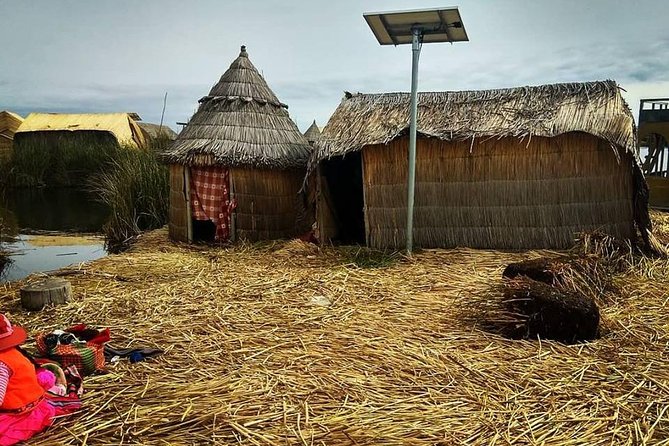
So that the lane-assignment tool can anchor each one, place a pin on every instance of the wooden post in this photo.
(189, 210)
(46, 292)
(661, 166)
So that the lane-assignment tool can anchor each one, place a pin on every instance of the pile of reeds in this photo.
(277, 344)
(661, 226)
(135, 187)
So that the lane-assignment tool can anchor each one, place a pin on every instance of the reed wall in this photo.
(659, 192)
(268, 205)
(178, 214)
(498, 193)
(5, 148)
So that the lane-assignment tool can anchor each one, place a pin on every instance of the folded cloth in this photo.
(146, 352)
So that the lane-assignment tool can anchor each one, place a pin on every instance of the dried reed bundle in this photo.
(267, 348)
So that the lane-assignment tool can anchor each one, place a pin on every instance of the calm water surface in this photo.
(26, 211)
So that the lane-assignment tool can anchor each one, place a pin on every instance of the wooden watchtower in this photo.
(653, 135)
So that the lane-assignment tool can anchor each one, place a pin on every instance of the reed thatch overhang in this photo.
(241, 123)
(596, 108)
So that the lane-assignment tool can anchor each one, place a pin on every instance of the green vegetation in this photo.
(59, 159)
(131, 182)
(135, 187)
(363, 257)
(4, 258)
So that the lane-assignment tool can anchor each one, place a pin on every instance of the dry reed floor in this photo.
(254, 356)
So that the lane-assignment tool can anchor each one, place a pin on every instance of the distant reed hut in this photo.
(237, 167)
(156, 132)
(515, 168)
(53, 129)
(64, 149)
(9, 123)
(313, 133)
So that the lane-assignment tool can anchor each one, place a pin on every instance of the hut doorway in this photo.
(211, 205)
(343, 179)
(204, 231)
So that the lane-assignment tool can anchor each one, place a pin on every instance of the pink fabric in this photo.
(15, 428)
(210, 198)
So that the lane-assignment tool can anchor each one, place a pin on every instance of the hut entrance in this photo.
(211, 204)
(343, 178)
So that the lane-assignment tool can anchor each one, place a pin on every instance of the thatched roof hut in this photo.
(153, 132)
(120, 128)
(522, 167)
(63, 149)
(313, 133)
(242, 139)
(9, 123)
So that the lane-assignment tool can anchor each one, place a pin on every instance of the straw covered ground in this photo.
(286, 344)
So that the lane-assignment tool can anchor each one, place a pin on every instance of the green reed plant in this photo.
(135, 187)
(59, 159)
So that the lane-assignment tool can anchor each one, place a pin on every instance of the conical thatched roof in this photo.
(313, 133)
(546, 110)
(241, 122)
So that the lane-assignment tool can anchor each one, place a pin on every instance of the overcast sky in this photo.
(123, 55)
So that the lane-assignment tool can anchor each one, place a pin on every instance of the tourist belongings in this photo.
(77, 346)
(135, 354)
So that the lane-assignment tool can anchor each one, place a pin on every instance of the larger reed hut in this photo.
(515, 168)
(54, 129)
(9, 124)
(237, 167)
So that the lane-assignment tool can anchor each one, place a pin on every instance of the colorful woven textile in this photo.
(210, 198)
(87, 356)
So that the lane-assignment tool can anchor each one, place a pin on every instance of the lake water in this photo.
(36, 223)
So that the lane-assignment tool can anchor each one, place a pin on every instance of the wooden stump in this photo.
(46, 292)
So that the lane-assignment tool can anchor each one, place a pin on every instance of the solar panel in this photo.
(436, 25)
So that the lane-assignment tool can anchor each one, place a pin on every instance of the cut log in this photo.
(549, 312)
(47, 292)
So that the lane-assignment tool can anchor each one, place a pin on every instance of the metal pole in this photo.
(415, 48)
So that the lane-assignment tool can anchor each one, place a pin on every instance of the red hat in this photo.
(10, 336)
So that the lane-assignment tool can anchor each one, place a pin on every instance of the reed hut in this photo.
(237, 167)
(515, 168)
(313, 133)
(53, 129)
(9, 123)
(156, 132)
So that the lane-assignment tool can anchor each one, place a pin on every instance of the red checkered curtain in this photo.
(210, 197)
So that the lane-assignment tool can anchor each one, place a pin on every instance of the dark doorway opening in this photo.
(204, 231)
(344, 180)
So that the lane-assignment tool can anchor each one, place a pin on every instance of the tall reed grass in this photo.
(4, 257)
(135, 187)
(59, 159)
